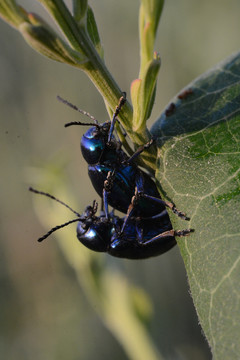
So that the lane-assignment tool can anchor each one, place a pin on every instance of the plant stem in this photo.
(95, 67)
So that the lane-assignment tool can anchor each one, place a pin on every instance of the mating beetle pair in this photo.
(115, 176)
(146, 229)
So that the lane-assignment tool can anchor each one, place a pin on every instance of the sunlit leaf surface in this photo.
(199, 170)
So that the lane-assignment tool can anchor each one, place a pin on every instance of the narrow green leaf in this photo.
(95, 67)
(153, 10)
(149, 84)
(12, 13)
(146, 40)
(135, 93)
(66, 22)
(149, 16)
(199, 170)
(146, 92)
(44, 40)
(79, 9)
(93, 32)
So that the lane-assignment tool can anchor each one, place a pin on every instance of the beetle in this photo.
(115, 176)
(137, 238)
(140, 238)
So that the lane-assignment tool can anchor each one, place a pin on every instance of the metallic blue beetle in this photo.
(140, 239)
(116, 177)
(135, 238)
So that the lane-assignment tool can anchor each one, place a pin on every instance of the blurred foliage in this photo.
(40, 296)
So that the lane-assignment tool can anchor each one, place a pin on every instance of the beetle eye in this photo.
(95, 133)
(84, 226)
(106, 126)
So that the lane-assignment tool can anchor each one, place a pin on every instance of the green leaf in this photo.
(143, 95)
(44, 40)
(93, 32)
(12, 13)
(135, 94)
(79, 9)
(153, 10)
(149, 16)
(199, 170)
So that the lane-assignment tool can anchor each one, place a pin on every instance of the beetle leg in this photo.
(168, 204)
(139, 231)
(140, 150)
(122, 101)
(108, 183)
(130, 212)
(179, 233)
(134, 200)
(158, 216)
(139, 192)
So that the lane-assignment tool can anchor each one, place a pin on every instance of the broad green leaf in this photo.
(199, 170)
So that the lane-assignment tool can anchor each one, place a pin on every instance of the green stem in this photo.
(97, 71)
(95, 67)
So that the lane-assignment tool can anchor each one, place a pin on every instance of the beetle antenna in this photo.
(54, 198)
(121, 102)
(55, 229)
(74, 107)
(80, 123)
(62, 203)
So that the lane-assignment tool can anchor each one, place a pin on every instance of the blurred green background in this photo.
(44, 312)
